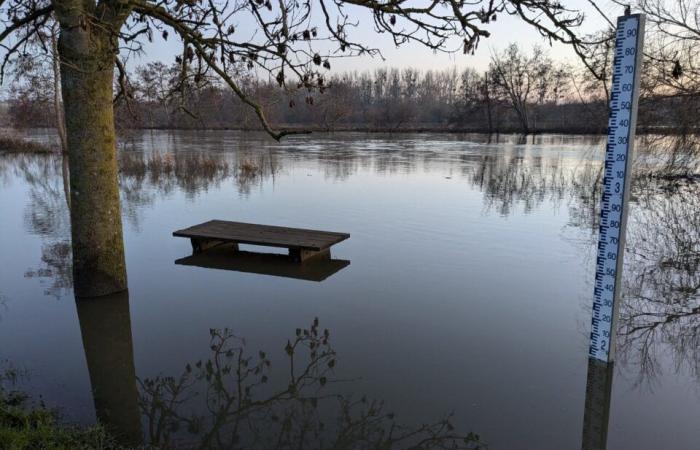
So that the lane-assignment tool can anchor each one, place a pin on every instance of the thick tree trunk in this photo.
(87, 70)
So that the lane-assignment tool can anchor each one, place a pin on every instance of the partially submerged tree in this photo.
(295, 41)
(523, 78)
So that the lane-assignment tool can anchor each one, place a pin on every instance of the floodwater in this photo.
(462, 296)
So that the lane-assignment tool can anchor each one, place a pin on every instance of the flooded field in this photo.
(458, 309)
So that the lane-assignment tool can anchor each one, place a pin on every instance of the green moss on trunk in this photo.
(87, 70)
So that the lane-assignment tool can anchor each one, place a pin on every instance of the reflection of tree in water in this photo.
(243, 410)
(661, 304)
(670, 156)
(660, 310)
(339, 164)
(143, 175)
(48, 213)
(660, 314)
(3, 303)
(585, 193)
(190, 172)
(56, 266)
(47, 216)
(253, 168)
(507, 181)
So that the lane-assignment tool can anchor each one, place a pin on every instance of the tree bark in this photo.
(87, 56)
(58, 109)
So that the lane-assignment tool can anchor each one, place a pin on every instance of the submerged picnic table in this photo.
(301, 243)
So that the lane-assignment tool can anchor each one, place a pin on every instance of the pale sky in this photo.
(504, 31)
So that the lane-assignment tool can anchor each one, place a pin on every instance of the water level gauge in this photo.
(624, 99)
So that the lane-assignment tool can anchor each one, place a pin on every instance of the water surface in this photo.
(467, 292)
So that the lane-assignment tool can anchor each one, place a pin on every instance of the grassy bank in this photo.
(24, 426)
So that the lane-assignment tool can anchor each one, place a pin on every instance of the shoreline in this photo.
(428, 129)
(387, 130)
(567, 131)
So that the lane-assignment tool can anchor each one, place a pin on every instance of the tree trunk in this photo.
(58, 109)
(87, 68)
(521, 110)
(487, 96)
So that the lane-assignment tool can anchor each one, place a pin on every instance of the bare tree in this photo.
(37, 83)
(671, 83)
(673, 44)
(524, 79)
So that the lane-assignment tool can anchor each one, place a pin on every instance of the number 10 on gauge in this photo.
(624, 99)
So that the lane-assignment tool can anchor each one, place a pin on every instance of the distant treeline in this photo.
(519, 92)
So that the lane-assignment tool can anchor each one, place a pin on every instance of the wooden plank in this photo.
(224, 257)
(273, 236)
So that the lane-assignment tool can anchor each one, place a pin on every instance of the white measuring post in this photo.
(624, 99)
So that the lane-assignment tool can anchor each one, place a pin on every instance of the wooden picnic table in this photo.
(301, 243)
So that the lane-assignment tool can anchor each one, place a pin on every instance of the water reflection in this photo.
(596, 415)
(659, 316)
(507, 170)
(148, 172)
(47, 216)
(224, 257)
(661, 306)
(660, 313)
(239, 399)
(242, 408)
(165, 172)
(3, 304)
(509, 180)
(105, 326)
(56, 269)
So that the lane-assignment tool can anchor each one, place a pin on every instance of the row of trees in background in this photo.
(521, 91)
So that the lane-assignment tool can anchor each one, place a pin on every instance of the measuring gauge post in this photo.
(624, 99)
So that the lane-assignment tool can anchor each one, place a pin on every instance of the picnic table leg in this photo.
(301, 255)
(199, 245)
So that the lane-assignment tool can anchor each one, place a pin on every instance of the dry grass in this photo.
(13, 144)
(165, 164)
(249, 169)
(190, 171)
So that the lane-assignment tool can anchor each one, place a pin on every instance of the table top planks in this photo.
(268, 235)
